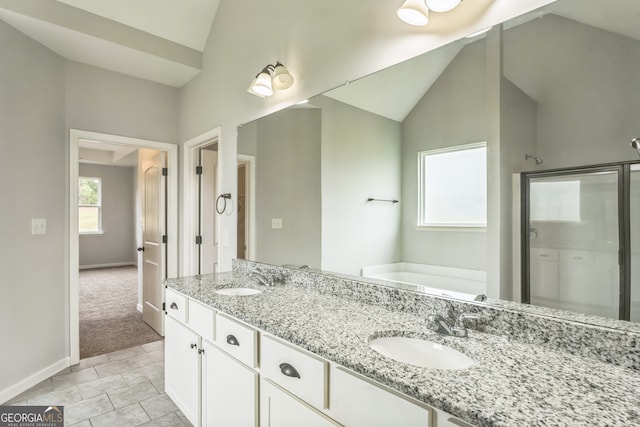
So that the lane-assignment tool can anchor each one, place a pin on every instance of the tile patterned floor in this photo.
(123, 388)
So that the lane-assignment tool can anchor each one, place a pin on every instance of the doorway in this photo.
(203, 204)
(164, 221)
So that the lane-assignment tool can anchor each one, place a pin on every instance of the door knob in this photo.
(141, 249)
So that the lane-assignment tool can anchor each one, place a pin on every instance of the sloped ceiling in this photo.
(158, 40)
(395, 91)
(163, 41)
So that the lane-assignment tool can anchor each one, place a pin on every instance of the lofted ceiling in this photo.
(157, 40)
(395, 91)
(163, 41)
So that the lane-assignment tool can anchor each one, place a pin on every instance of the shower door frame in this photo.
(624, 226)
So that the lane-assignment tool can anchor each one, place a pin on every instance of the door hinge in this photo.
(164, 306)
(198, 170)
(164, 238)
(165, 171)
(198, 240)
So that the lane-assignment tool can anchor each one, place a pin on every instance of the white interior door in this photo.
(208, 217)
(153, 229)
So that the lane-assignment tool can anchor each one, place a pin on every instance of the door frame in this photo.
(250, 221)
(75, 135)
(189, 223)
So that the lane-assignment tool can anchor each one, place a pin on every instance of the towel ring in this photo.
(224, 198)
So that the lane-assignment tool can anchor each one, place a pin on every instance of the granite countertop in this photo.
(512, 384)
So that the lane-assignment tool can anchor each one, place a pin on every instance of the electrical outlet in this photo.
(38, 226)
(276, 223)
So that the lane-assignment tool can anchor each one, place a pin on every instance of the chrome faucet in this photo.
(267, 279)
(440, 325)
(262, 279)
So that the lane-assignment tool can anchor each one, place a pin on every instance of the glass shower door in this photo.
(573, 244)
(634, 189)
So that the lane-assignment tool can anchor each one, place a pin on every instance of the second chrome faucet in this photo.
(439, 324)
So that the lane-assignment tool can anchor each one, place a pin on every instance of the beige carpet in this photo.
(109, 320)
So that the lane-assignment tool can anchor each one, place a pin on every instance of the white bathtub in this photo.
(434, 279)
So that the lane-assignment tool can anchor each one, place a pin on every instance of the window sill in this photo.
(92, 233)
(454, 228)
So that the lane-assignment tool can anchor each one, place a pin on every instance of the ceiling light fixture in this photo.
(416, 12)
(271, 77)
(442, 5)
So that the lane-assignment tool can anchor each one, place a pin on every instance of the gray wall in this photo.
(33, 307)
(453, 112)
(352, 154)
(42, 97)
(518, 115)
(360, 159)
(117, 244)
(103, 101)
(288, 187)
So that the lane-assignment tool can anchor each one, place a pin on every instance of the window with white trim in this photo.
(90, 205)
(452, 186)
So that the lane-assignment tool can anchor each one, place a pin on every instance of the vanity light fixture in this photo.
(271, 77)
(416, 12)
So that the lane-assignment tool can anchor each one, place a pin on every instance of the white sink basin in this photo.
(238, 292)
(419, 352)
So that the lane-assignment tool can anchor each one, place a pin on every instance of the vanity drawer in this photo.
(239, 340)
(298, 371)
(176, 305)
(202, 320)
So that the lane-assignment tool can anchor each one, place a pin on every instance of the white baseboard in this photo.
(139, 307)
(113, 264)
(24, 385)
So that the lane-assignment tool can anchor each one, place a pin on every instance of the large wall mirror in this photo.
(568, 98)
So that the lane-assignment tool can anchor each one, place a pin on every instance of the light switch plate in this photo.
(38, 226)
(276, 223)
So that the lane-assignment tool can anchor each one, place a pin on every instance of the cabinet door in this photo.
(229, 390)
(357, 402)
(281, 409)
(182, 368)
(544, 274)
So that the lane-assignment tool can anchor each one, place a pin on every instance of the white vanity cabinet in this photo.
(229, 382)
(229, 390)
(278, 408)
(182, 368)
(222, 372)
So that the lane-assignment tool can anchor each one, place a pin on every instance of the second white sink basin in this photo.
(419, 352)
(238, 292)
